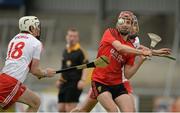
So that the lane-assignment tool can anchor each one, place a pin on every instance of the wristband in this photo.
(45, 74)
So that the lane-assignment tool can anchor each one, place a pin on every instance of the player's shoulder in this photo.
(106, 31)
(83, 50)
(84, 53)
(34, 40)
(110, 30)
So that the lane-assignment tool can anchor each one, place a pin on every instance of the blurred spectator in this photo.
(162, 104)
(71, 83)
(176, 105)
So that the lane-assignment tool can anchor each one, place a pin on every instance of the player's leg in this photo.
(72, 98)
(125, 103)
(88, 105)
(122, 99)
(70, 106)
(105, 99)
(129, 88)
(61, 107)
(31, 99)
(133, 100)
(104, 96)
(76, 109)
(61, 100)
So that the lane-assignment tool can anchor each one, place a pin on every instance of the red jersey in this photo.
(112, 74)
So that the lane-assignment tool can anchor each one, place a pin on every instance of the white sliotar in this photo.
(120, 21)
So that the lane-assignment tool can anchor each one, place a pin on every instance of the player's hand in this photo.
(50, 72)
(81, 84)
(162, 51)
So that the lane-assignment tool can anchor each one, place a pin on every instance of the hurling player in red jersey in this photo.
(91, 99)
(107, 83)
(114, 88)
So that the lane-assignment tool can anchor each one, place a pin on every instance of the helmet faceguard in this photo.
(123, 17)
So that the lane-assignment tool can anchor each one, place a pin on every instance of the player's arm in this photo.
(83, 59)
(82, 82)
(40, 73)
(164, 51)
(108, 37)
(35, 63)
(130, 70)
(61, 79)
(127, 49)
(84, 74)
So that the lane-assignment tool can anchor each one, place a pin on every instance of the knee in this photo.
(36, 102)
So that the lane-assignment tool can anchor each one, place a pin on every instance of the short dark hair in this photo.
(73, 29)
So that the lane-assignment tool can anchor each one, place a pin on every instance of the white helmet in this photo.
(26, 21)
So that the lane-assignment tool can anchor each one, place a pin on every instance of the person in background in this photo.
(71, 83)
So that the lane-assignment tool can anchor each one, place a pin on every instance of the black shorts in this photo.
(69, 94)
(115, 90)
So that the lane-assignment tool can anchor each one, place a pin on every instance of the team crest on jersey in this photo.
(68, 63)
